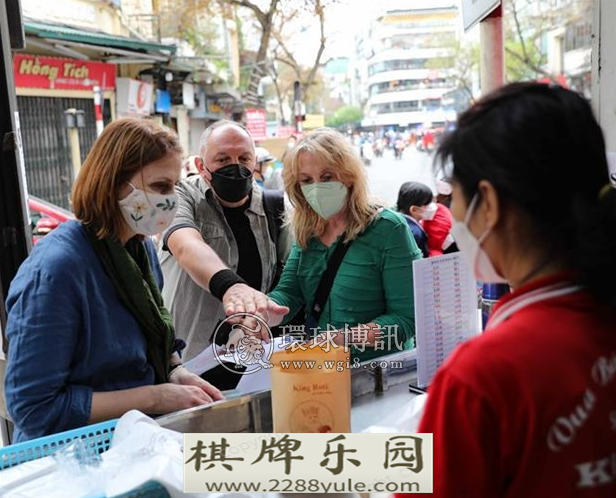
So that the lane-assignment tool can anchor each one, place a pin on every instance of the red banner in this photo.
(287, 131)
(32, 71)
(256, 123)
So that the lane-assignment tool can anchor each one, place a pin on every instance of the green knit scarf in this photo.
(130, 271)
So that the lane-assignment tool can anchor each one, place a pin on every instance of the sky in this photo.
(344, 19)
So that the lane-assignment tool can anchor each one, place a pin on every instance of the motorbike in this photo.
(367, 153)
(398, 149)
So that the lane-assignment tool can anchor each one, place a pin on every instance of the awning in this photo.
(66, 40)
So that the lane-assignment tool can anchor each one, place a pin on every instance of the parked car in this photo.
(45, 216)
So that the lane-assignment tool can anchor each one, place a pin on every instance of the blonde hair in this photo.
(123, 149)
(333, 149)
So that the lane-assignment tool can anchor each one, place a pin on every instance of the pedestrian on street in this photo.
(443, 192)
(263, 169)
(367, 250)
(221, 252)
(527, 408)
(437, 222)
(89, 336)
(415, 203)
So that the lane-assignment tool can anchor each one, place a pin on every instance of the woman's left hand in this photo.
(183, 377)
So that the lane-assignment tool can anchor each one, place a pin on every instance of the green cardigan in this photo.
(374, 283)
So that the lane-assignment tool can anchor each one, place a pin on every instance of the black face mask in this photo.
(232, 182)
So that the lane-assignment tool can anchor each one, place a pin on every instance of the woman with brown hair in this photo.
(371, 296)
(89, 337)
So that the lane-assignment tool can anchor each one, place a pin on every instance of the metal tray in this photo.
(253, 412)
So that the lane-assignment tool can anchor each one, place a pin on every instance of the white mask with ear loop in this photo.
(429, 212)
(470, 247)
(148, 213)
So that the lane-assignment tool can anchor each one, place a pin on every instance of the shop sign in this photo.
(313, 121)
(31, 71)
(134, 97)
(256, 123)
(163, 101)
(286, 131)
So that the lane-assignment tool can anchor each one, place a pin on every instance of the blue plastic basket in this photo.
(97, 435)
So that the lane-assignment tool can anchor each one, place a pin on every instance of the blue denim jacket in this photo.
(69, 336)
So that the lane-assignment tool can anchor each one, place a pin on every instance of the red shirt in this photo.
(528, 409)
(437, 229)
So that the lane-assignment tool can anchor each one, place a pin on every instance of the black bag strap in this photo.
(273, 205)
(327, 279)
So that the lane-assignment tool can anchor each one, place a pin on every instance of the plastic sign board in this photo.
(474, 11)
(314, 121)
(256, 123)
(32, 71)
(134, 97)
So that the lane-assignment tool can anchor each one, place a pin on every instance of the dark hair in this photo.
(543, 151)
(413, 194)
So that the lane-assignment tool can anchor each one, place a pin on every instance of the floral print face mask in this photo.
(147, 213)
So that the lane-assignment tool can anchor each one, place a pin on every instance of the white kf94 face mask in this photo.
(470, 247)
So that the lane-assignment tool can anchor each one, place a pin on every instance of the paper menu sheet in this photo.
(445, 310)
(258, 380)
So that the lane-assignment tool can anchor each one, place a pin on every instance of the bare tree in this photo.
(281, 53)
(265, 20)
(280, 92)
(466, 64)
(527, 21)
(524, 47)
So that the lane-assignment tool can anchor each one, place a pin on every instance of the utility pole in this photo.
(15, 233)
(603, 63)
(98, 110)
(492, 50)
(299, 108)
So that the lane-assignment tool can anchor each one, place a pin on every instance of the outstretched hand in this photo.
(241, 298)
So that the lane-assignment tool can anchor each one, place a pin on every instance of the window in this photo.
(403, 64)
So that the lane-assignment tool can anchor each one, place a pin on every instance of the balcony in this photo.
(425, 94)
(411, 118)
(395, 86)
(434, 63)
(407, 74)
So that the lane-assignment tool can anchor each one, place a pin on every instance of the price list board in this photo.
(445, 310)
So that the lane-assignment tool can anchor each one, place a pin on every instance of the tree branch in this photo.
(519, 30)
(290, 58)
(317, 61)
(259, 14)
(529, 63)
(274, 73)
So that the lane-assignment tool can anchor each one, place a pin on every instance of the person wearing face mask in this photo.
(437, 221)
(371, 296)
(89, 336)
(263, 171)
(443, 192)
(219, 255)
(415, 204)
(529, 405)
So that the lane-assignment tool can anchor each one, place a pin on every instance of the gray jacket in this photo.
(194, 310)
